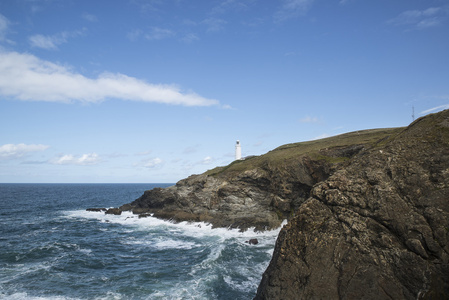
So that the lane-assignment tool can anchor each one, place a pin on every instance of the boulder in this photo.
(95, 209)
(252, 242)
(113, 211)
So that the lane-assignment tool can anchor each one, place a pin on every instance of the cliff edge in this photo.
(259, 192)
(376, 229)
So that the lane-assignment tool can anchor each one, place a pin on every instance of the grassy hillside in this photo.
(326, 148)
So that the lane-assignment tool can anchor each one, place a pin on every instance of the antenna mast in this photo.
(413, 113)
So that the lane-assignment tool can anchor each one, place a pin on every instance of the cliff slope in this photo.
(260, 191)
(377, 228)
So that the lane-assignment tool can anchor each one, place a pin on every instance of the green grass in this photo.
(290, 152)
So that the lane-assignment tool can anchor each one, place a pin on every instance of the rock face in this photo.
(261, 197)
(377, 228)
(259, 192)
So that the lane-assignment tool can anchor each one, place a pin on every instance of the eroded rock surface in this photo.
(377, 228)
(261, 197)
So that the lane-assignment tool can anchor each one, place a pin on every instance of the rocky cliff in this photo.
(368, 212)
(259, 192)
(376, 229)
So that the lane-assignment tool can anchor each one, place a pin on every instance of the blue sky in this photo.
(157, 90)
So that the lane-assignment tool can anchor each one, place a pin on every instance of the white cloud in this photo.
(45, 42)
(83, 160)
(309, 119)
(292, 8)
(420, 19)
(226, 106)
(152, 163)
(207, 160)
(51, 42)
(434, 109)
(26, 77)
(19, 150)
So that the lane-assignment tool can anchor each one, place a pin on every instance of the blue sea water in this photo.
(52, 248)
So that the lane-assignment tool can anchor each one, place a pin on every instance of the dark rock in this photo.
(138, 211)
(126, 207)
(261, 197)
(376, 229)
(96, 209)
(252, 242)
(113, 211)
(145, 215)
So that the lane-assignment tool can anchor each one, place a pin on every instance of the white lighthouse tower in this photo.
(238, 151)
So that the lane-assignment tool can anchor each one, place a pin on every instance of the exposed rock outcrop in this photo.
(261, 197)
(368, 212)
(376, 229)
(259, 192)
(97, 209)
(113, 211)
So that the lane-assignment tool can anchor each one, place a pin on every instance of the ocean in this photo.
(52, 248)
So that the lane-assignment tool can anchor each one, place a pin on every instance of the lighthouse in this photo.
(238, 151)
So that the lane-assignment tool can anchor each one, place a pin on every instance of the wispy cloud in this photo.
(435, 109)
(89, 17)
(207, 160)
(309, 119)
(82, 160)
(4, 29)
(344, 2)
(151, 163)
(134, 35)
(51, 42)
(9, 151)
(148, 5)
(143, 153)
(157, 33)
(420, 19)
(191, 149)
(4, 24)
(292, 8)
(214, 24)
(190, 38)
(231, 5)
(26, 77)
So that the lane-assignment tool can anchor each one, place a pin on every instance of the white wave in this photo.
(173, 244)
(194, 229)
(241, 286)
(85, 251)
(163, 244)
